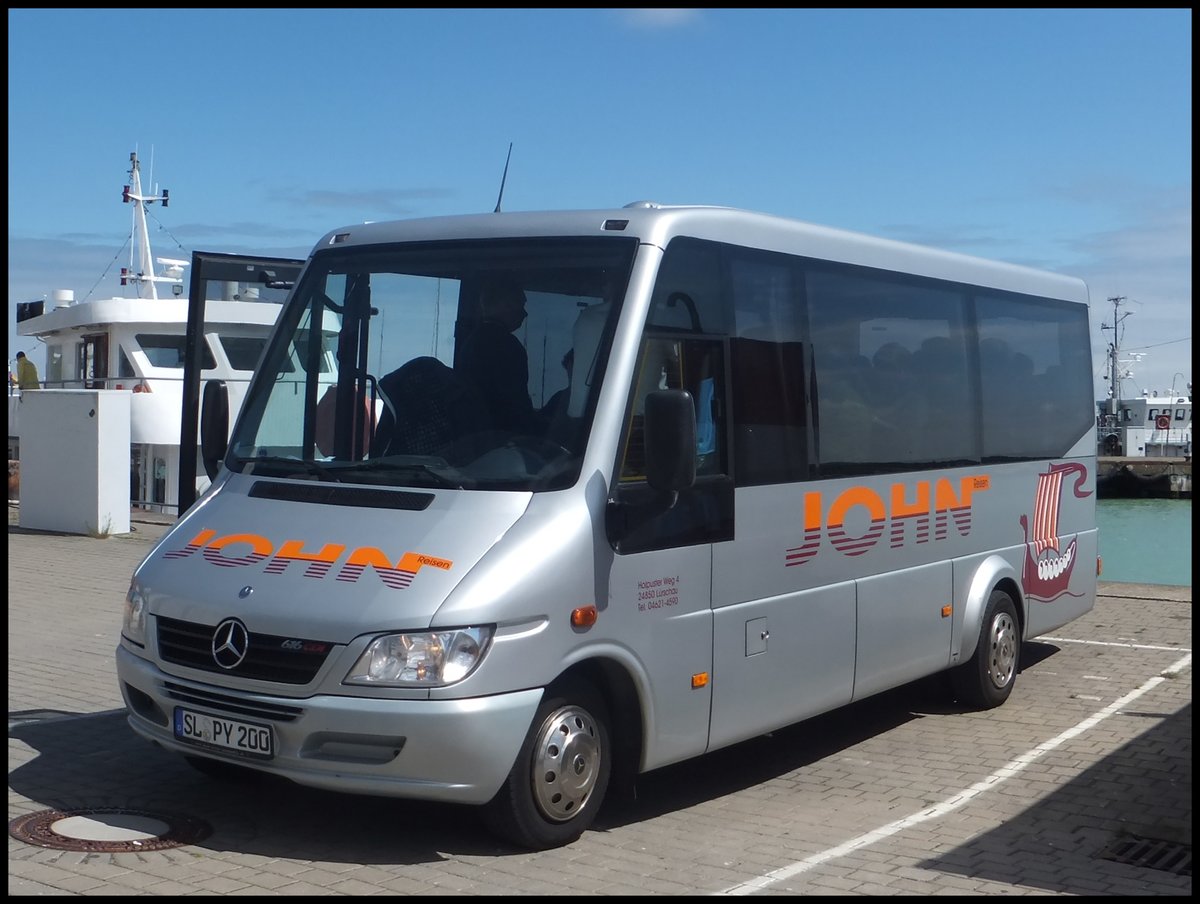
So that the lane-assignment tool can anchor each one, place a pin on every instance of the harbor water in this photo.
(1146, 541)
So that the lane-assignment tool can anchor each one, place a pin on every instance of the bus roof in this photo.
(656, 224)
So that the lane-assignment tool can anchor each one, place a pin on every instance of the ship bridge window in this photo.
(243, 352)
(55, 361)
(125, 366)
(1179, 414)
(168, 351)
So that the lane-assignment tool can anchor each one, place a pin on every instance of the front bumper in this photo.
(457, 751)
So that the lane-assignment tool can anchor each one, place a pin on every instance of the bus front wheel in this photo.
(987, 679)
(561, 773)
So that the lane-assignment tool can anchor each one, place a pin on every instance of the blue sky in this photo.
(1058, 139)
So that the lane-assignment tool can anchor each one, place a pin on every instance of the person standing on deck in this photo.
(27, 373)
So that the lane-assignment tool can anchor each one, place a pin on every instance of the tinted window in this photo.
(168, 351)
(840, 370)
(683, 348)
(688, 294)
(243, 352)
(767, 359)
(892, 373)
(1034, 376)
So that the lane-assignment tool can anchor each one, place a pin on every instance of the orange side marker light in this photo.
(584, 617)
(700, 679)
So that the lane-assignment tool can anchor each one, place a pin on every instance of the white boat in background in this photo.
(137, 344)
(1153, 425)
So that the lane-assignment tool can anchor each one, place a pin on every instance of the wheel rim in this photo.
(566, 763)
(1002, 664)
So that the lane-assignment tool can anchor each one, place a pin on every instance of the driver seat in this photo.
(427, 407)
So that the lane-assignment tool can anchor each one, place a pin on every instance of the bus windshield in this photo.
(465, 364)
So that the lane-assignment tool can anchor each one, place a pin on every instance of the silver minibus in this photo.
(520, 506)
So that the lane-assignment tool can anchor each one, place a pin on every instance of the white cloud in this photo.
(659, 18)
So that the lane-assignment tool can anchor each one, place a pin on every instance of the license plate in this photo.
(245, 738)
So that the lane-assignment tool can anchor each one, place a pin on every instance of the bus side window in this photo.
(703, 368)
(694, 365)
(658, 369)
(768, 360)
(703, 513)
(684, 347)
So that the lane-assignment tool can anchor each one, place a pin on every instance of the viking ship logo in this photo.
(1046, 573)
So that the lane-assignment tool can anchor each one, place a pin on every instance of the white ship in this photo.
(1153, 425)
(137, 343)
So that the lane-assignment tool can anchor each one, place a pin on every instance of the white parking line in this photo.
(1124, 645)
(992, 781)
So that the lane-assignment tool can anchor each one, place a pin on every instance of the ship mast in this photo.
(143, 272)
(1115, 374)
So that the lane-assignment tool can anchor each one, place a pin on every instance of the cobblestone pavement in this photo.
(898, 795)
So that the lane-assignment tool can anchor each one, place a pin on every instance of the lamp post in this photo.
(1178, 374)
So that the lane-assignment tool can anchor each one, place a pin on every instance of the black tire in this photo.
(558, 781)
(987, 679)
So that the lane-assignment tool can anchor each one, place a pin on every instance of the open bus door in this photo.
(209, 266)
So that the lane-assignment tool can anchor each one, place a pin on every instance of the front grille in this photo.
(235, 706)
(287, 660)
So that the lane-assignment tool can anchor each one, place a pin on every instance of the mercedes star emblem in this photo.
(230, 643)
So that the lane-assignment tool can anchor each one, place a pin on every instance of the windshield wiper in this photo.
(294, 465)
(443, 476)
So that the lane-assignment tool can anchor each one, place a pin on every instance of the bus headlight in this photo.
(426, 659)
(133, 623)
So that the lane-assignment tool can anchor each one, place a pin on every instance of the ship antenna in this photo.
(140, 237)
(503, 178)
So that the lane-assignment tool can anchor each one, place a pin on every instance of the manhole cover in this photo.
(1151, 853)
(107, 831)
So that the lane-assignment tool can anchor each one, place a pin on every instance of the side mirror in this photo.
(214, 426)
(670, 432)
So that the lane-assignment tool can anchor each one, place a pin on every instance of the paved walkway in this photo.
(898, 795)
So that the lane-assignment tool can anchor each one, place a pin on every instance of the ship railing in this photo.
(154, 508)
(118, 383)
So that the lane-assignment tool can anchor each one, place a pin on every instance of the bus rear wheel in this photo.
(987, 679)
(561, 773)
